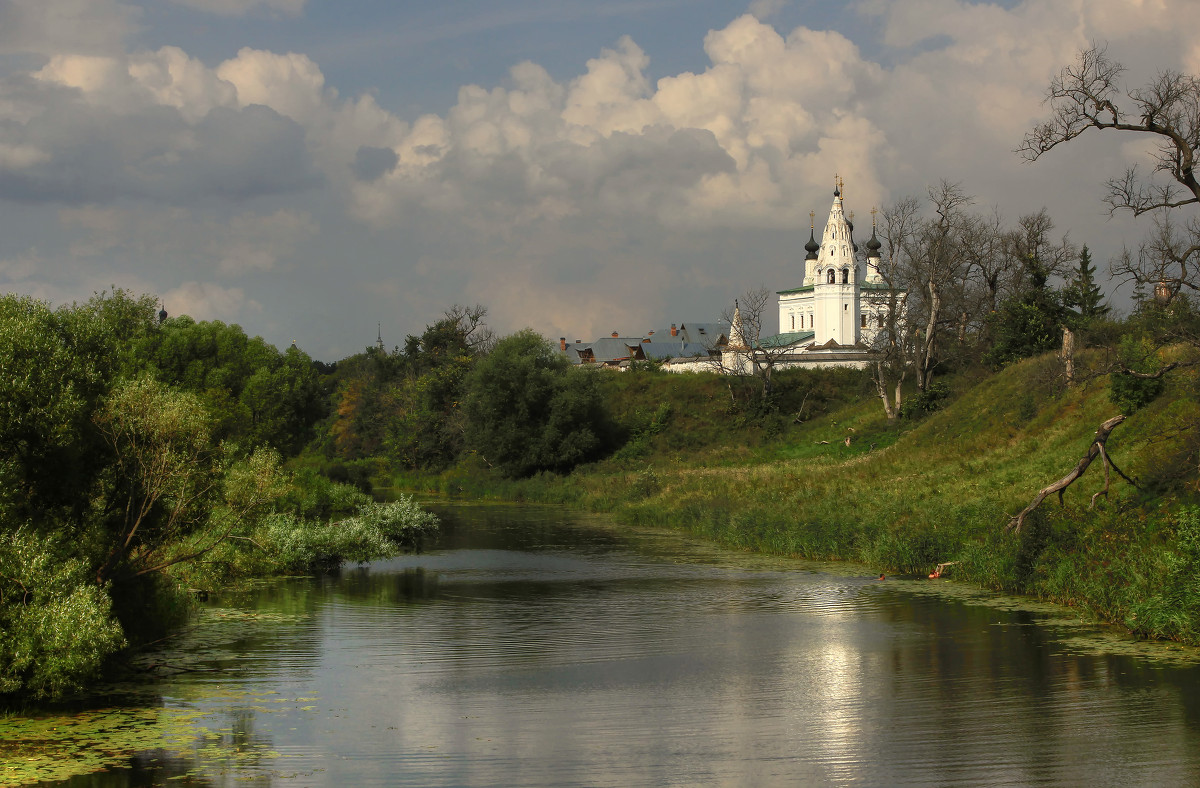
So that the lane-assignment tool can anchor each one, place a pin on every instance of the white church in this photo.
(833, 317)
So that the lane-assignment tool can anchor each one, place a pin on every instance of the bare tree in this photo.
(892, 341)
(746, 356)
(469, 320)
(938, 261)
(1087, 95)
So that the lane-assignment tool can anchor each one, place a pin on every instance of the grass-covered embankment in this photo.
(903, 498)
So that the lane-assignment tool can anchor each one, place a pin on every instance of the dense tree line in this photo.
(140, 456)
(455, 391)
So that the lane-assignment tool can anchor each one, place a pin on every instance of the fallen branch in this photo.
(1096, 449)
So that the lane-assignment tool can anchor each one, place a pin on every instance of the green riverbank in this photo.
(904, 497)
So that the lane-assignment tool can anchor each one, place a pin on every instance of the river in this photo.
(535, 647)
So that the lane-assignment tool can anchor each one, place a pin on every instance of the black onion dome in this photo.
(812, 247)
(873, 245)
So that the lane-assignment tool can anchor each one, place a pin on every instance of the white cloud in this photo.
(640, 194)
(208, 301)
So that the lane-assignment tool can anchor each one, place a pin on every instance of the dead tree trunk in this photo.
(1096, 449)
(1068, 355)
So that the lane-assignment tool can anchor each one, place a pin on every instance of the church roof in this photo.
(812, 247)
(786, 339)
(805, 289)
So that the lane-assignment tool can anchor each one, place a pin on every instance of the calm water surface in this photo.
(532, 647)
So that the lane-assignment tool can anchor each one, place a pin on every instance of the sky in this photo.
(318, 171)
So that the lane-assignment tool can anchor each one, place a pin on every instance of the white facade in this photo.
(835, 315)
(830, 301)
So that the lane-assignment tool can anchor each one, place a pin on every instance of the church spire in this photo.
(737, 339)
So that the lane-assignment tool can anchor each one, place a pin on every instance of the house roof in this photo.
(613, 348)
(673, 349)
(707, 334)
(786, 339)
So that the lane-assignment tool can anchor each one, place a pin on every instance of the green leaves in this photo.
(1130, 392)
(527, 411)
(56, 628)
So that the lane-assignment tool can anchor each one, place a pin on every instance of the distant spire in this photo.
(873, 245)
(837, 186)
(737, 340)
(162, 312)
(379, 336)
(812, 247)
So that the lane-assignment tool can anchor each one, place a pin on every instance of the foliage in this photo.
(115, 485)
(1024, 326)
(1083, 294)
(376, 530)
(162, 482)
(927, 401)
(1129, 392)
(56, 627)
(256, 394)
(527, 411)
(58, 365)
(844, 483)
(406, 406)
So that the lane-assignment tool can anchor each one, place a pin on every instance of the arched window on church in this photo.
(832, 276)
(793, 322)
(845, 276)
(862, 320)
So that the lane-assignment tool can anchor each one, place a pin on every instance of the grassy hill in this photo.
(907, 496)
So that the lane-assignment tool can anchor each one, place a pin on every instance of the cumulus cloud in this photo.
(648, 191)
(150, 127)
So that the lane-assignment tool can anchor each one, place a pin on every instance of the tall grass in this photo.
(905, 497)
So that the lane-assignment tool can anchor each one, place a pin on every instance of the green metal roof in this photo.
(786, 339)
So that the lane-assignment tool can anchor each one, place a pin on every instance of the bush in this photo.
(56, 624)
(1132, 393)
(927, 401)
(528, 411)
(377, 530)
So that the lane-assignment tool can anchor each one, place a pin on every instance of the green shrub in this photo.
(927, 401)
(377, 530)
(1132, 393)
(56, 624)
